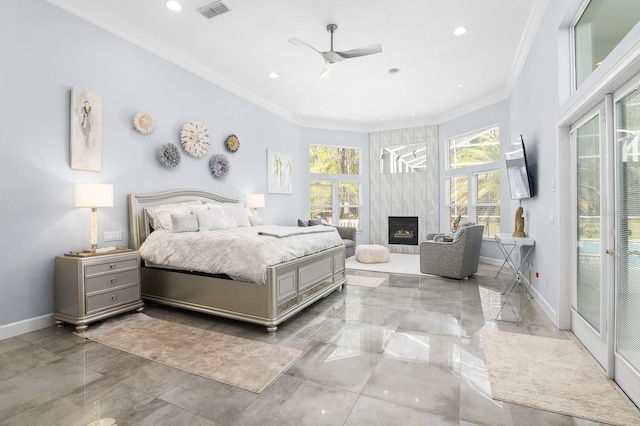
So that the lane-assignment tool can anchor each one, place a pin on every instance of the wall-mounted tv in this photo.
(518, 171)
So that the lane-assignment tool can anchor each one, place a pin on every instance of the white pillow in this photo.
(256, 221)
(155, 221)
(214, 220)
(238, 213)
(184, 223)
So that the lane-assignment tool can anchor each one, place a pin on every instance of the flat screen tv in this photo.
(518, 171)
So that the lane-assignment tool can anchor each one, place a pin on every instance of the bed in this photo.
(288, 287)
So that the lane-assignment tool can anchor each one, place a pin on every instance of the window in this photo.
(473, 181)
(599, 29)
(321, 200)
(335, 184)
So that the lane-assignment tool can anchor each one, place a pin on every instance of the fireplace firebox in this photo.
(403, 230)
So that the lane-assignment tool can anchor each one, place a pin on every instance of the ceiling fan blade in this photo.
(326, 71)
(362, 51)
(298, 42)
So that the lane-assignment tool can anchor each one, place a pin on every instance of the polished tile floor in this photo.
(408, 352)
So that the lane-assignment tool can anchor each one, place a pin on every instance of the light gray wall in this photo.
(46, 51)
(496, 114)
(535, 107)
(403, 194)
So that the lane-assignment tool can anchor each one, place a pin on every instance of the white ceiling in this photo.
(238, 49)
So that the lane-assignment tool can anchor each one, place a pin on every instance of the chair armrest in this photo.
(346, 232)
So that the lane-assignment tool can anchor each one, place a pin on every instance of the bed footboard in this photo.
(291, 286)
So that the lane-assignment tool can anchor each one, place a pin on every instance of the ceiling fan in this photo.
(332, 57)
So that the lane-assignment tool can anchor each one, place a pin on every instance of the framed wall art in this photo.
(85, 131)
(279, 172)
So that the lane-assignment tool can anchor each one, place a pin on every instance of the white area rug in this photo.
(552, 375)
(363, 281)
(399, 263)
(242, 363)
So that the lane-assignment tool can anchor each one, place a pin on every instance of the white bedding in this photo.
(239, 252)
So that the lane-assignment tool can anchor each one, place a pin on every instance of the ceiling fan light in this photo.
(459, 31)
(173, 5)
(273, 75)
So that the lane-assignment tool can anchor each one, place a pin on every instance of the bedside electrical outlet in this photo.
(113, 236)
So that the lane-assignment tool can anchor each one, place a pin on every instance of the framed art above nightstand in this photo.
(91, 288)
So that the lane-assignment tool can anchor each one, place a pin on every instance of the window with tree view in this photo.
(473, 179)
(335, 184)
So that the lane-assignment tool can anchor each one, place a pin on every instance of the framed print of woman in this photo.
(85, 145)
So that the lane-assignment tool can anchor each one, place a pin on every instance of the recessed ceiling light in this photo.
(173, 5)
(461, 85)
(273, 75)
(382, 98)
(381, 118)
(459, 31)
(413, 114)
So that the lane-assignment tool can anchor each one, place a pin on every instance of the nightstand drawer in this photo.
(110, 266)
(116, 279)
(110, 299)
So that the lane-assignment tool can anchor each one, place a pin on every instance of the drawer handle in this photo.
(114, 297)
(113, 280)
(112, 266)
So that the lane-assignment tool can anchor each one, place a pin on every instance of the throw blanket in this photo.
(287, 231)
(239, 252)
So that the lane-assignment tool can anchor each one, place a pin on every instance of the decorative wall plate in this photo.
(219, 166)
(233, 143)
(143, 122)
(169, 155)
(195, 138)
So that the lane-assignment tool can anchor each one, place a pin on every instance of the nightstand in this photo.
(91, 288)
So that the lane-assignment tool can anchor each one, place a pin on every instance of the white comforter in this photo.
(239, 252)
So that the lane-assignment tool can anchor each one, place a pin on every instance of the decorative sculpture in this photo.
(519, 229)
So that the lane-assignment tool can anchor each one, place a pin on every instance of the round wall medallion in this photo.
(233, 143)
(195, 138)
(219, 166)
(169, 155)
(143, 122)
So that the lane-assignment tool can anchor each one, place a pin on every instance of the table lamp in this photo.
(93, 195)
(254, 202)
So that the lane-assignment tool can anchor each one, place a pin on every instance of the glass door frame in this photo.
(598, 342)
(627, 376)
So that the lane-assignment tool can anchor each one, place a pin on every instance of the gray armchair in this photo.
(347, 233)
(456, 259)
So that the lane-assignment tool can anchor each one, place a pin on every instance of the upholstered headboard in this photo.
(139, 227)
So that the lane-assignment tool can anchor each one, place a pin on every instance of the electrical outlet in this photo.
(113, 236)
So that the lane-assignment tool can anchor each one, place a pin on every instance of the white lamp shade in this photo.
(93, 195)
(255, 201)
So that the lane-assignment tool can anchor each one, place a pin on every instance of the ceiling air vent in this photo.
(214, 9)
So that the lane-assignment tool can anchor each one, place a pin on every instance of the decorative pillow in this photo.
(256, 221)
(237, 211)
(459, 234)
(214, 220)
(303, 222)
(313, 222)
(184, 223)
(158, 222)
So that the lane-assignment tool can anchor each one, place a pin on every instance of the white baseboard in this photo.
(25, 326)
(546, 307)
(491, 261)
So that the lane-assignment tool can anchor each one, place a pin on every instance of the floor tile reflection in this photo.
(408, 352)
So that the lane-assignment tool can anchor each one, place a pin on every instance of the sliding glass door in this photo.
(591, 278)
(627, 258)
